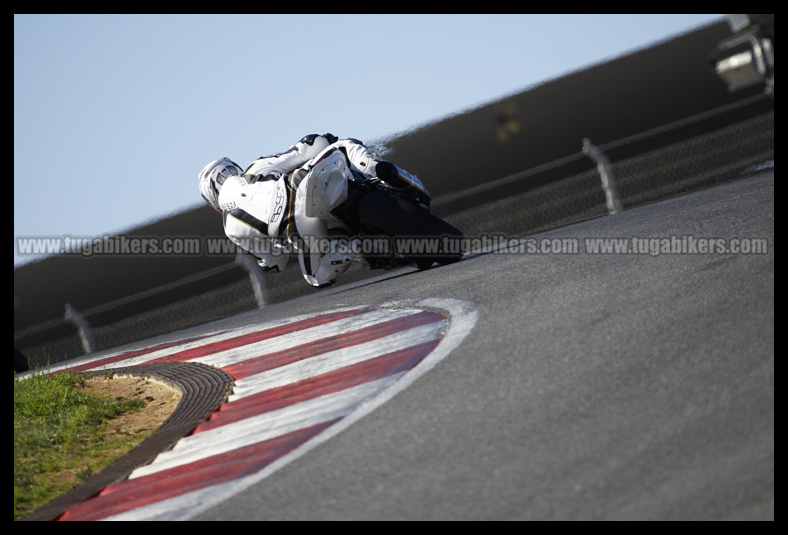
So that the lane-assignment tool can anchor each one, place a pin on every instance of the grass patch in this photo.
(62, 435)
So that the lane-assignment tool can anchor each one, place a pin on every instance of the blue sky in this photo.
(114, 115)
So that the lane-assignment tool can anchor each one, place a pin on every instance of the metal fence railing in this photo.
(642, 171)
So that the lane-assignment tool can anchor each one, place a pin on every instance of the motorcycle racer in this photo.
(262, 207)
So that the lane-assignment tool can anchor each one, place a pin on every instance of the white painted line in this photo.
(305, 336)
(263, 427)
(171, 508)
(334, 360)
(164, 352)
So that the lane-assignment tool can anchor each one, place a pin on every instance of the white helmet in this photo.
(213, 176)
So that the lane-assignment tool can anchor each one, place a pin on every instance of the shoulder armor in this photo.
(309, 140)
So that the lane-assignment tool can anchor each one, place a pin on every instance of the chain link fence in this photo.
(669, 161)
(645, 168)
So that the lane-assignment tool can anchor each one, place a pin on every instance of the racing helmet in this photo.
(213, 176)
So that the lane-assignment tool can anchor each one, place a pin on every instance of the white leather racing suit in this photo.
(259, 208)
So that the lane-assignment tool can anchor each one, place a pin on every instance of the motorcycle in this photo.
(387, 221)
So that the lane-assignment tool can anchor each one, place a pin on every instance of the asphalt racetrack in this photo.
(628, 386)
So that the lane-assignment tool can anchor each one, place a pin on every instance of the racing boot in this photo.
(323, 269)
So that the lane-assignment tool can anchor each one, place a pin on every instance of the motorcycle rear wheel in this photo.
(405, 220)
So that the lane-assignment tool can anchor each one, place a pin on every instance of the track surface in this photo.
(592, 387)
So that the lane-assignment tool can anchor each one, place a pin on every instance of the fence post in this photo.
(606, 174)
(255, 277)
(82, 325)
